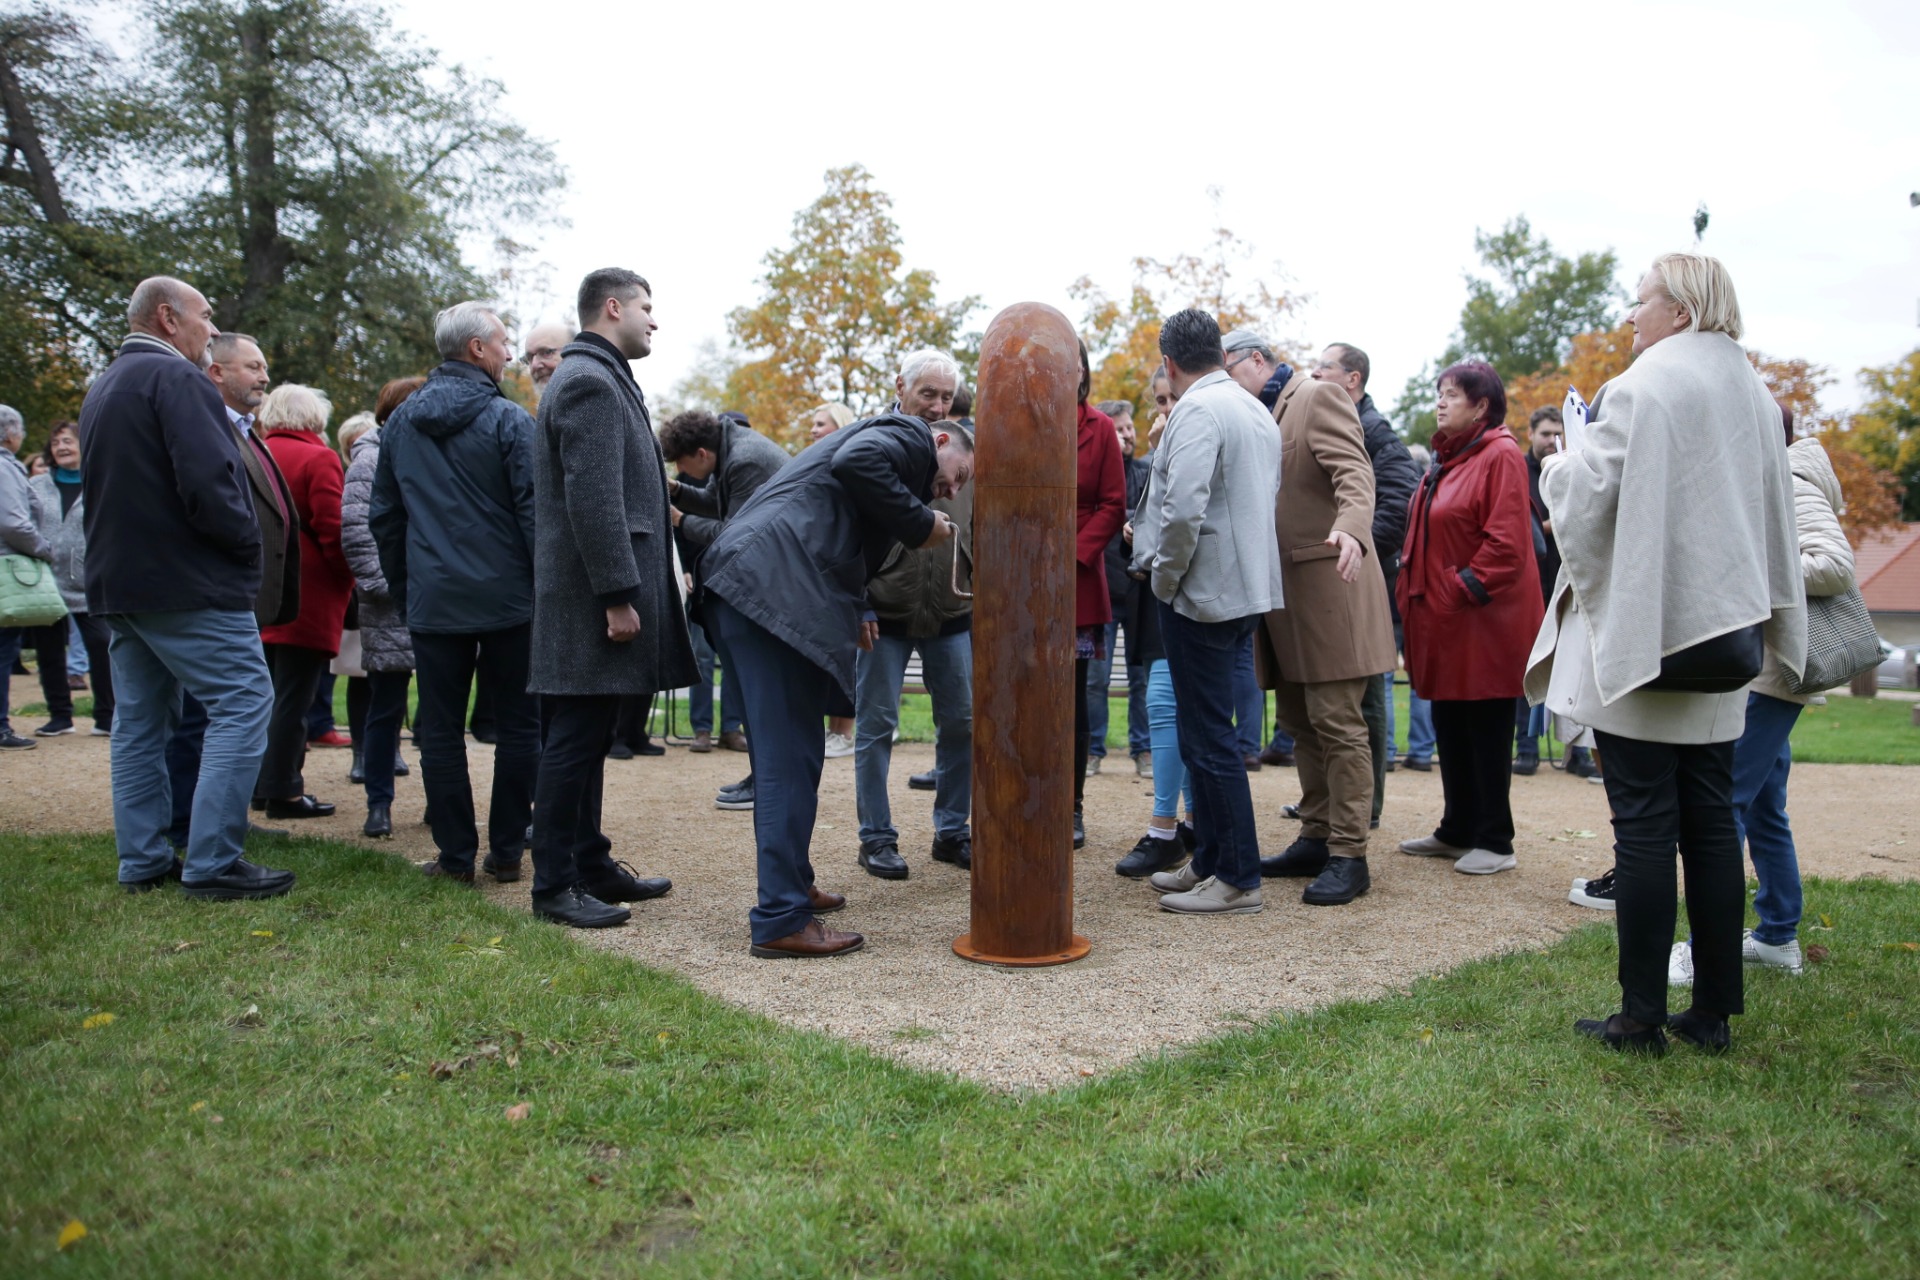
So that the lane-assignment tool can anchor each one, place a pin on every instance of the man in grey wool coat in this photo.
(607, 616)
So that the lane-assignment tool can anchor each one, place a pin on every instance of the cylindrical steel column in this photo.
(1025, 463)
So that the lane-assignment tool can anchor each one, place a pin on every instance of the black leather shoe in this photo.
(241, 880)
(438, 870)
(1344, 880)
(1418, 766)
(883, 860)
(401, 769)
(1610, 1033)
(1525, 768)
(575, 907)
(1304, 857)
(304, 807)
(1149, 856)
(503, 871)
(625, 885)
(357, 771)
(155, 882)
(379, 825)
(957, 850)
(928, 781)
(619, 751)
(649, 748)
(1079, 830)
(1701, 1030)
(1188, 836)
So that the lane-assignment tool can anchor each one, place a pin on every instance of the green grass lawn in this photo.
(320, 1086)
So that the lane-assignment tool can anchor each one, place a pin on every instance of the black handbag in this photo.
(1720, 665)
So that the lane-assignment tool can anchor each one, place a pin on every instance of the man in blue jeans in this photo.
(1206, 536)
(174, 564)
(914, 603)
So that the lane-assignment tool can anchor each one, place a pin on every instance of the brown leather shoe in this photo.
(823, 902)
(702, 742)
(810, 943)
(734, 741)
(1252, 763)
(1279, 759)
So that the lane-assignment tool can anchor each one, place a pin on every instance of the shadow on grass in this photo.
(322, 1085)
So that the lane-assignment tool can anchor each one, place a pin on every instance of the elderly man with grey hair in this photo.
(19, 536)
(452, 519)
(541, 350)
(173, 563)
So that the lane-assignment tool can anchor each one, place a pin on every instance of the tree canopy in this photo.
(315, 173)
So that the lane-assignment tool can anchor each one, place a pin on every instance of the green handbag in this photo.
(28, 596)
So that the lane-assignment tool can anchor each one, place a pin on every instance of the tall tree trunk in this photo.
(23, 135)
(263, 249)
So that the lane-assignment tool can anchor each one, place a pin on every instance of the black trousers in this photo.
(49, 644)
(1666, 797)
(296, 675)
(444, 668)
(630, 726)
(568, 845)
(1475, 742)
(1082, 731)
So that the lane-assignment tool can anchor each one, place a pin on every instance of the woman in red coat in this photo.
(1100, 510)
(294, 422)
(1469, 595)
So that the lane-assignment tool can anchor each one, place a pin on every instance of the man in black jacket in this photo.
(1394, 480)
(173, 563)
(452, 519)
(784, 587)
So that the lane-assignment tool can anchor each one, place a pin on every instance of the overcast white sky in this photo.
(1026, 144)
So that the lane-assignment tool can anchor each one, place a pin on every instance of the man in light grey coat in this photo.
(607, 617)
(1205, 540)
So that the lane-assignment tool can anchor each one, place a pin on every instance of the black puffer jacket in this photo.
(796, 559)
(452, 510)
(1394, 479)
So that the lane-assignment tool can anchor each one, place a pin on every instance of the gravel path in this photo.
(1153, 980)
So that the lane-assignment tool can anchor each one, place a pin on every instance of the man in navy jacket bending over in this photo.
(785, 586)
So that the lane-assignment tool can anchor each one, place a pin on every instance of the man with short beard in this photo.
(173, 562)
(542, 353)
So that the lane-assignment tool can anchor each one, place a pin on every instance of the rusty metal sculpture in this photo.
(1025, 463)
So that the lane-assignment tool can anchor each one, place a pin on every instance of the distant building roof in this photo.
(1888, 571)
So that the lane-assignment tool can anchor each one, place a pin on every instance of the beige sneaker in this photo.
(839, 746)
(1786, 956)
(1430, 847)
(1179, 880)
(1485, 862)
(1213, 897)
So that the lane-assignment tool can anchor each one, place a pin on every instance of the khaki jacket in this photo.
(1328, 629)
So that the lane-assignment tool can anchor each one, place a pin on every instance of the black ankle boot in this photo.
(1614, 1035)
(357, 774)
(1703, 1031)
(379, 821)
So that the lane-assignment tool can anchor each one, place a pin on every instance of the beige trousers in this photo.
(1335, 758)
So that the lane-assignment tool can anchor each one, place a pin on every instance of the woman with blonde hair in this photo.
(1674, 512)
(293, 421)
(827, 419)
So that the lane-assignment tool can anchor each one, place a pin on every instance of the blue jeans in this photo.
(946, 664)
(77, 661)
(1419, 727)
(215, 655)
(785, 696)
(1249, 702)
(700, 696)
(1528, 724)
(1202, 658)
(1169, 770)
(1762, 758)
(1099, 675)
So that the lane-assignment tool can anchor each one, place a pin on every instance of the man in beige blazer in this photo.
(1333, 635)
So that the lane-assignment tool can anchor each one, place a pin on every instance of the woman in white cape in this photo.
(1674, 513)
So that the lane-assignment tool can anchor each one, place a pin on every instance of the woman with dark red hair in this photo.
(1469, 595)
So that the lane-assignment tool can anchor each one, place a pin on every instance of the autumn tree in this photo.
(1886, 429)
(1593, 359)
(314, 172)
(1521, 317)
(1869, 492)
(836, 316)
(1123, 336)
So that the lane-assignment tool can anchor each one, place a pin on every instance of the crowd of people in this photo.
(221, 562)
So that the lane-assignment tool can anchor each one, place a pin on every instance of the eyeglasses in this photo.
(1242, 360)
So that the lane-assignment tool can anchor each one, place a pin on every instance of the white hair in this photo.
(1703, 286)
(351, 430)
(12, 425)
(461, 324)
(296, 408)
(928, 360)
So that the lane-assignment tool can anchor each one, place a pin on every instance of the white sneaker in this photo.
(839, 746)
(1785, 956)
(1179, 880)
(1485, 862)
(1430, 847)
(1213, 897)
(1680, 965)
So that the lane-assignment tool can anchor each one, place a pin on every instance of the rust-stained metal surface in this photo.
(1023, 504)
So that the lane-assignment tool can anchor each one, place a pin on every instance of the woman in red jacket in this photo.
(1100, 510)
(294, 422)
(1469, 595)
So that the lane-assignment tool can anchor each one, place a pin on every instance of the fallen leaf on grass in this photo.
(517, 1112)
(1817, 954)
(1425, 1037)
(216, 1118)
(72, 1234)
(198, 1106)
(1826, 921)
(595, 1180)
(250, 1018)
(184, 946)
(1891, 946)
(97, 1020)
(263, 933)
